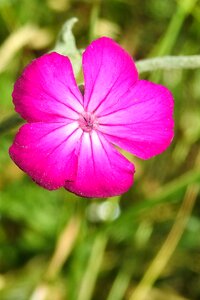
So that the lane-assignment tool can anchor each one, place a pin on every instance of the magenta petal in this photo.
(109, 72)
(69, 139)
(102, 171)
(47, 90)
(47, 152)
(145, 126)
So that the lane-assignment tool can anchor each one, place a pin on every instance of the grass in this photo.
(54, 245)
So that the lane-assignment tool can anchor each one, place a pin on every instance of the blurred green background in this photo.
(144, 245)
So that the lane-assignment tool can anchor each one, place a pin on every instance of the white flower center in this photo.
(87, 121)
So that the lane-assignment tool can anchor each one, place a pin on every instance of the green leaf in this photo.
(66, 44)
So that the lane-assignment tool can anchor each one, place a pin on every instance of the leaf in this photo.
(66, 45)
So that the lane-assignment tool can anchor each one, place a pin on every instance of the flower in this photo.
(70, 139)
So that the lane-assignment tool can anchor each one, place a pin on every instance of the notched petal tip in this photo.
(47, 90)
(109, 72)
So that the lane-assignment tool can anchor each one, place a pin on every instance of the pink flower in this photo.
(69, 139)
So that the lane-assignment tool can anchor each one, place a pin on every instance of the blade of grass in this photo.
(93, 19)
(91, 273)
(63, 248)
(164, 194)
(167, 193)
(166, 43)
(16, 41)
(166, 251)
(119, 286)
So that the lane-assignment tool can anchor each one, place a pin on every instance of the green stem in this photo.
(168, 63)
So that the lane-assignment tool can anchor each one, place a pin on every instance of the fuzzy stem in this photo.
(168, 63)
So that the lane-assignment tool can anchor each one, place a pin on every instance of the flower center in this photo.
(87, 121)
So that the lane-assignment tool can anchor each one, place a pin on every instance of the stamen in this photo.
(87, 121)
